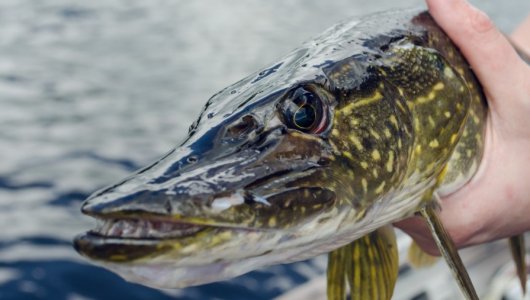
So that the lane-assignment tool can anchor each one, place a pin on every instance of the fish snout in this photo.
(238, 176)
(118, 204)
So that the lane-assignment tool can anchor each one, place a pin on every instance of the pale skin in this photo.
(496, 203)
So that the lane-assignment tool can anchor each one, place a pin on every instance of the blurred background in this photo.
(92, 90)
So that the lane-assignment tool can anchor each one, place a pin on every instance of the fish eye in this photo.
(303, 110)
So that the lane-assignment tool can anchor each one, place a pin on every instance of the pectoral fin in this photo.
(449, 251)
(519, 257)
(368, 265)
(419, 258)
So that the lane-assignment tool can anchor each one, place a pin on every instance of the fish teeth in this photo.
(131, 228)
(104, 227)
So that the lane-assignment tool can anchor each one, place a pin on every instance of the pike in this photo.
(321, 152)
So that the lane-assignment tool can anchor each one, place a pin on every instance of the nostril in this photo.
(243, 127)
(192, 159)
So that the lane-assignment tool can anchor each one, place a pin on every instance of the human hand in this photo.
(496, 202)
(521, 37)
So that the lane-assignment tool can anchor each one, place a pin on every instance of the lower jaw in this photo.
(117, 250)
(134, 239)
(134, 250)
(138, 250)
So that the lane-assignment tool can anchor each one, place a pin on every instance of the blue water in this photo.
(92, 90)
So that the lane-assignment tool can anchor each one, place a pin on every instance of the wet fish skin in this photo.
(404, 116)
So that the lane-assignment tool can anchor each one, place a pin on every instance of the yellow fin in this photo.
(419, 258)
(338, 261)
(519, 257)
(368, 265)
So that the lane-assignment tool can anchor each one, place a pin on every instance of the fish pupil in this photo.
(305, 116)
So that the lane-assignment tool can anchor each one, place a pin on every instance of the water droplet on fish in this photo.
(261, 200)
(233, 92)
(223, 203)
(210, 115)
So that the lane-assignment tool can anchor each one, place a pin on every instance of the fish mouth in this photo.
(133, 239)
(144, 229)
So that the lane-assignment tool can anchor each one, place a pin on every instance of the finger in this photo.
(521, 36)
(417, 229)
(493, 59)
